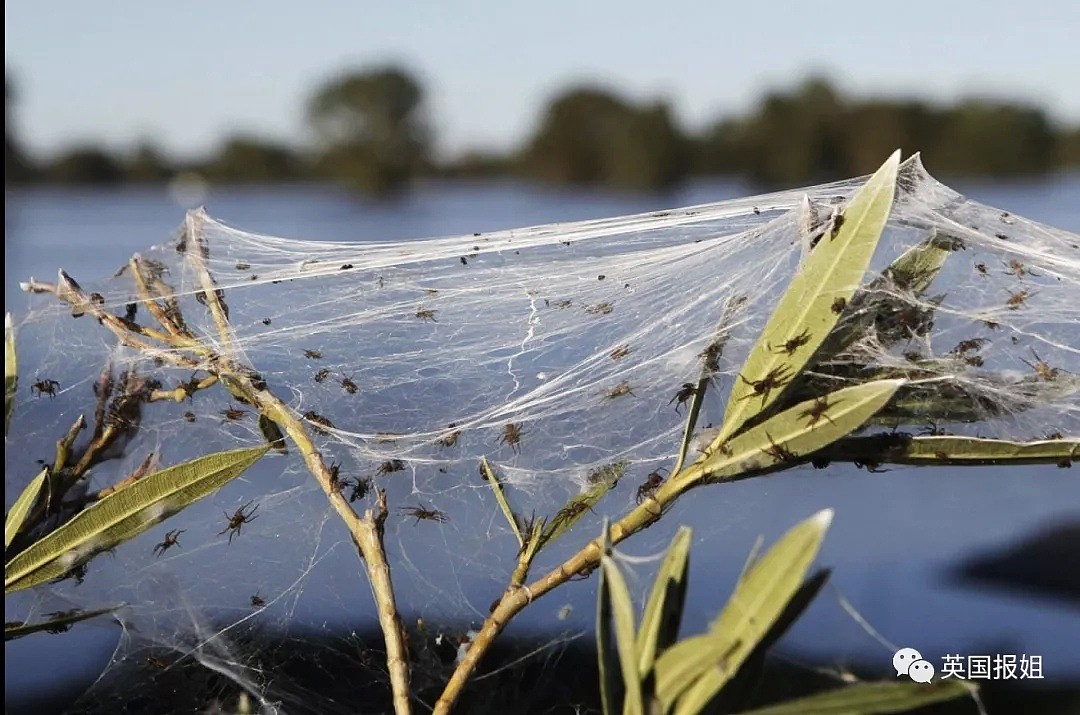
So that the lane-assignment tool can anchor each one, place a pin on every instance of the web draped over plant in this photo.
(558, 353)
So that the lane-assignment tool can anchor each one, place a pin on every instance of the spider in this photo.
(233, 413)
(687, 391)
(870, 466)
(778, 451)
(838, 305)
(1041, 368)
(426, 314)
(1016, 300)
(793, 344)
(981, 268)
(620, 352)
(237, 520)
(1018, 269)
(966, 346)
(189, 416)
(322, 374)
(511, 435)
(450, 438)
(348, 385)
(257, 601)
(337, 485)
(390, 465)
(650, 485)
(837, 222)
(600, 308)
(623, 388)
(774, 379)
(571, 511)
(313, 354)
(266, 321)
(711, 356)
(422, 512)
(360, 489)
(817, 410)
(44, 387)
(171, 539)
(319, 421)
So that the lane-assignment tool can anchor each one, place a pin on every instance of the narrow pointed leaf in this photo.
(11, 372)
(21, 508)
(973, 451)
(795, 431)
(59, 624)
(663, 611)
(693, 671)
(806, 313)
(607, 659)
(124, 514)
(871, 699)
(492, 479)
(576, 507)
(622, 612)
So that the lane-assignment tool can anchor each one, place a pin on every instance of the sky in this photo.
(187, 74)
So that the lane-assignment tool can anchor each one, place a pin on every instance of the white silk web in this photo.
(411, 359)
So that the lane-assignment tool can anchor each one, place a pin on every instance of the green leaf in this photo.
(272, 433)
(871, 699)
(663, 611)
(793, 431)
(601, 482)
(21, 508)
(125, 514)
(11, 371)
(607, 659)
(806, 312)
(974, 451)
(693, 671)
(622, 612)
(61, 622)
(489, 475)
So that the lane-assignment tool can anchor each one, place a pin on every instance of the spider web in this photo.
(414, 357)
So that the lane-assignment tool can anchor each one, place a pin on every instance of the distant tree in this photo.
(993, 138)
(85, 165)
(1068, 148)
(590, 135)
(147, 165)
(371, 129)
(17, 166)
(246, 158)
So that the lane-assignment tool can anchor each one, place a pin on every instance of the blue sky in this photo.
(187, 73)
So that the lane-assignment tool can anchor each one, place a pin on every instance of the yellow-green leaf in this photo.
(794, 431)
(663, 611)
(125, 514)
(972, 451)
(871, 699)
(607, 660)
(693, 671)
(601, 482)
(807, 312)
(489, 475)
(11, 371)
(59, 623)
(622, 612)
(21, 508)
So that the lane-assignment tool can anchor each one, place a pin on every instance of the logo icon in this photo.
(909, 662)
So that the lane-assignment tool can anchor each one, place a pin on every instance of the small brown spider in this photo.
(155, 662)
(313, 354)
(966, 346)
(233, 413)
(562, 304)
(322, 374)
(870, 466)
(649, 486)
(257, 601)
(1016, 300)
(790, 346)
(422, 512)
(390, 466)
(318, 421)
(620, 352)
(426, 314)
(1018, 269)
(511, 435)
(838, 305)
(817, 410)
(171, 539)
(1041, 368)
(337, 485)
(360, 489)
(450, 438)
(684, 394)
(348, 385)
(237, 520)
(44, 387)
(774, 379)
(571, 511)
(778, 451)
(600, 308)
(623, 388)
(981, 268)
(189, 416)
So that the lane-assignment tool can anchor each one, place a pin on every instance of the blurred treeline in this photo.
(371, 130)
